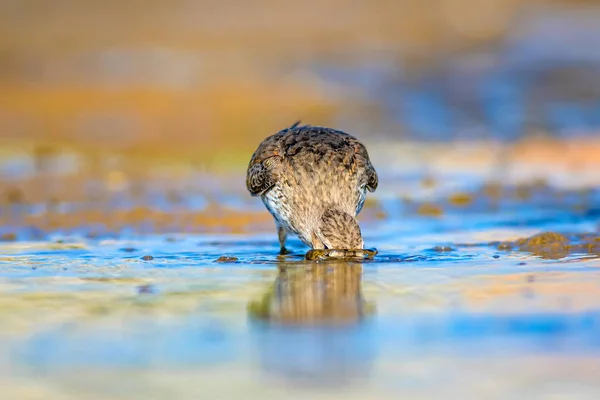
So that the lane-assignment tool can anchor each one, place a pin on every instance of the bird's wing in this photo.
(372, 178)
(355, 153)
(367, 174)
(264, 167)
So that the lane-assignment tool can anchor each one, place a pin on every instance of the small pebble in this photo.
(146, 289)
(147, 258)
(226, 259)
(443, 249)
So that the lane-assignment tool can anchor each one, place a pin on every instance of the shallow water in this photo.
(452, 305)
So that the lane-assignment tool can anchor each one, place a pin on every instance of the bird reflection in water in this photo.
(312, 324)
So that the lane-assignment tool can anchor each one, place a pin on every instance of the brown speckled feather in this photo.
(303, 171)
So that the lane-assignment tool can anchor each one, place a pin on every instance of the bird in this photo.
(314, 181)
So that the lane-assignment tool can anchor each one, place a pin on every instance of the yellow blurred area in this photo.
(149, 122)
(206, 80)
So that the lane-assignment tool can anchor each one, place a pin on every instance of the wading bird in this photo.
(314, 181)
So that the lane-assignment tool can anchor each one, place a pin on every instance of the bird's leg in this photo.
(282, 235)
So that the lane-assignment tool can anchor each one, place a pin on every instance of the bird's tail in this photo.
(295, 125)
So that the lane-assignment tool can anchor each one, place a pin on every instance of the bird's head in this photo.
(340, 230)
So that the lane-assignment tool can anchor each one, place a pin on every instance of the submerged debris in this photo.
(147, 258)
(546, 245)
(552, 245)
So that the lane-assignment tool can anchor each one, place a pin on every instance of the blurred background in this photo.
(139, 105)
